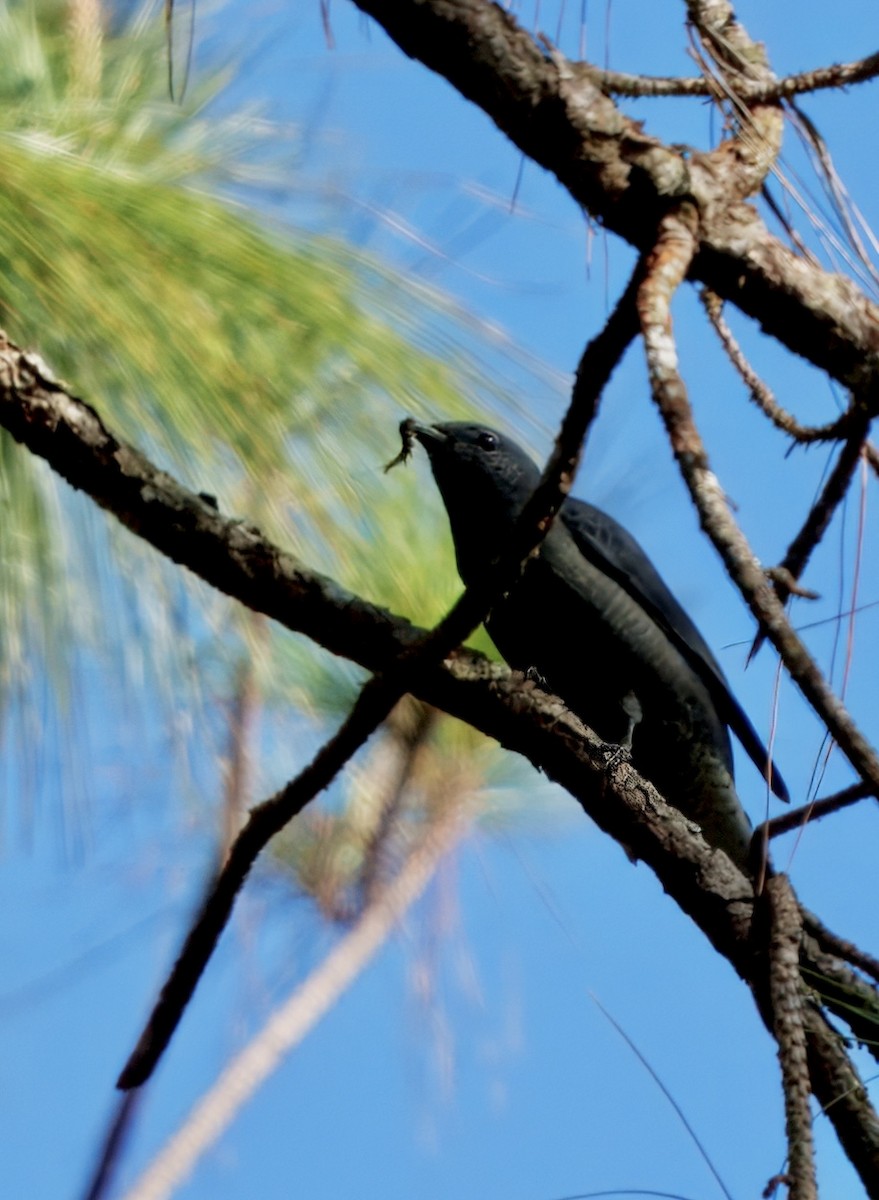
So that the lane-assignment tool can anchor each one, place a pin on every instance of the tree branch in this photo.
(558, 116)
(623, 83)
(786, 997)
(759, 392)
(667, 267)
(786, 575)
(797, 818)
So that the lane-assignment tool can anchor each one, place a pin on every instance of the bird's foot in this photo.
(614, 755)
(632, 708)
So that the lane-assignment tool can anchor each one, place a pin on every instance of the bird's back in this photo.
(595, 646)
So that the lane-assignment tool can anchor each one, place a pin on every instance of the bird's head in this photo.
(484, 479)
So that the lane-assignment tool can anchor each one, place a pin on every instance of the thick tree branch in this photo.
(786, 997)
(558, 116)
(240, 562)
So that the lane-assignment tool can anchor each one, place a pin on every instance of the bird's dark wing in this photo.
(613, 550)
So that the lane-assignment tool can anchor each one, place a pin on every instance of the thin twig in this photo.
(759, 392)
(622, 83)
(808, 813)
(841, 947)
(110, 1153)
(818, 519)
(832, 494)
(843, 992)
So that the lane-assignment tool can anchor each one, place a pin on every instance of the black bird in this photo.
(593, 619)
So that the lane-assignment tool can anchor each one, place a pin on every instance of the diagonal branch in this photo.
(797, 818)
(293, 1019)
(833, 944)
(667, 267)
(832, 495)
(373, 704)
(791, 567)
(843, 1097)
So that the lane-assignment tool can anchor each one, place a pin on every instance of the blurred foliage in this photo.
(254, 362)
(266, 366)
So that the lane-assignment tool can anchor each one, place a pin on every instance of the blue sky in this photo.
(512, 1083)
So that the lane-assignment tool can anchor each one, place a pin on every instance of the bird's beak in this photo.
(433, 438)
(428, 435)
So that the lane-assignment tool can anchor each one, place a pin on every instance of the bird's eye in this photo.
(487, 441)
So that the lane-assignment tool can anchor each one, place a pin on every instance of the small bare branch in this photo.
(819, 517)
(807, 813)
(782, 578)
(832, 494)
(835, 76)
(759, 392)
(622, 83)
(832, 943)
